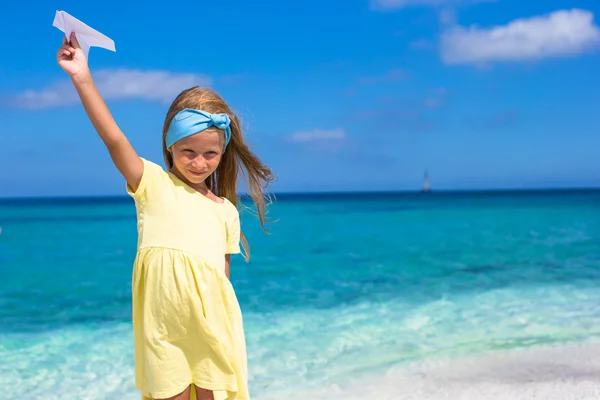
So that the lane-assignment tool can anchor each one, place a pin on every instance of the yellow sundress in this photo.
(187, 321)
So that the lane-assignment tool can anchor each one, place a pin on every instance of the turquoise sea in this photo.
(345, 287)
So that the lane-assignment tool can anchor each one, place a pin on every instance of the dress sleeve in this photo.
(152, 177)
(233, 233)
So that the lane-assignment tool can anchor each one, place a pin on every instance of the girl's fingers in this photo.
(64, 53)
(67, 47)
(74, 41)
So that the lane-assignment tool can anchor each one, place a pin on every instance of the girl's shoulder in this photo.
(229, 209)
(152, 176)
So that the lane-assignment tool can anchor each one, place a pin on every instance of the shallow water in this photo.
(345, 285)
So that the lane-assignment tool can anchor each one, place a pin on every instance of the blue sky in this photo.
(352, 95)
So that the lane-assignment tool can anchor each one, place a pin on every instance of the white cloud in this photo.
(385, 5)
(393, 75)
(318, 135)
(422, 44)
(395, 4)
(436, 99)
(119, 84)
(559, 34)
(448, 17)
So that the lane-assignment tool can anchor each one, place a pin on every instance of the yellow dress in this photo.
(186, 318)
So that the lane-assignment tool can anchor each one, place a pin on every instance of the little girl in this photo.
(188, 333)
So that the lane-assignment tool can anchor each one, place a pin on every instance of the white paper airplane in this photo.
(86, 36)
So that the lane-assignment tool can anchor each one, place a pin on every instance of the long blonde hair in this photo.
(237, 158)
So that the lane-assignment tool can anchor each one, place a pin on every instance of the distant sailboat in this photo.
(426, 183)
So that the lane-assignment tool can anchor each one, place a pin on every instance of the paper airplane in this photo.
(86, 35)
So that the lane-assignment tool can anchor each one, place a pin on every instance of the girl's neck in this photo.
(201, 188)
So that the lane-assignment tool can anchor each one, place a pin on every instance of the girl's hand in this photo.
(71, 59)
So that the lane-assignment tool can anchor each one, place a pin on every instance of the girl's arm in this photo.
(72, 60)
(227, 264)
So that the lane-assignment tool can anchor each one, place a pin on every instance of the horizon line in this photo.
(330, 193)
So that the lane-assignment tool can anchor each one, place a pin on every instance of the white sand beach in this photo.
(552, 373)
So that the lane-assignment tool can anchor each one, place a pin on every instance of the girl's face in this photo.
(197, 156)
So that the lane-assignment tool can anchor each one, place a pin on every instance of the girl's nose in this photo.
(199, 163)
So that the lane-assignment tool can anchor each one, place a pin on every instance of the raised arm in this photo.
(71, 59)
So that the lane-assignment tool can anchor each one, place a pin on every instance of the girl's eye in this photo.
(188, 151)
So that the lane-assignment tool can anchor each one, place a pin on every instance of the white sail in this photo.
(426, 183)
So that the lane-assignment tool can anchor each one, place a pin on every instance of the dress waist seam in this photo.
(191, 253)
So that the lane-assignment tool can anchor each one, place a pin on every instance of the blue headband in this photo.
(188, 122)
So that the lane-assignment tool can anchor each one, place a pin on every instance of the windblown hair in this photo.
(237, 158)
